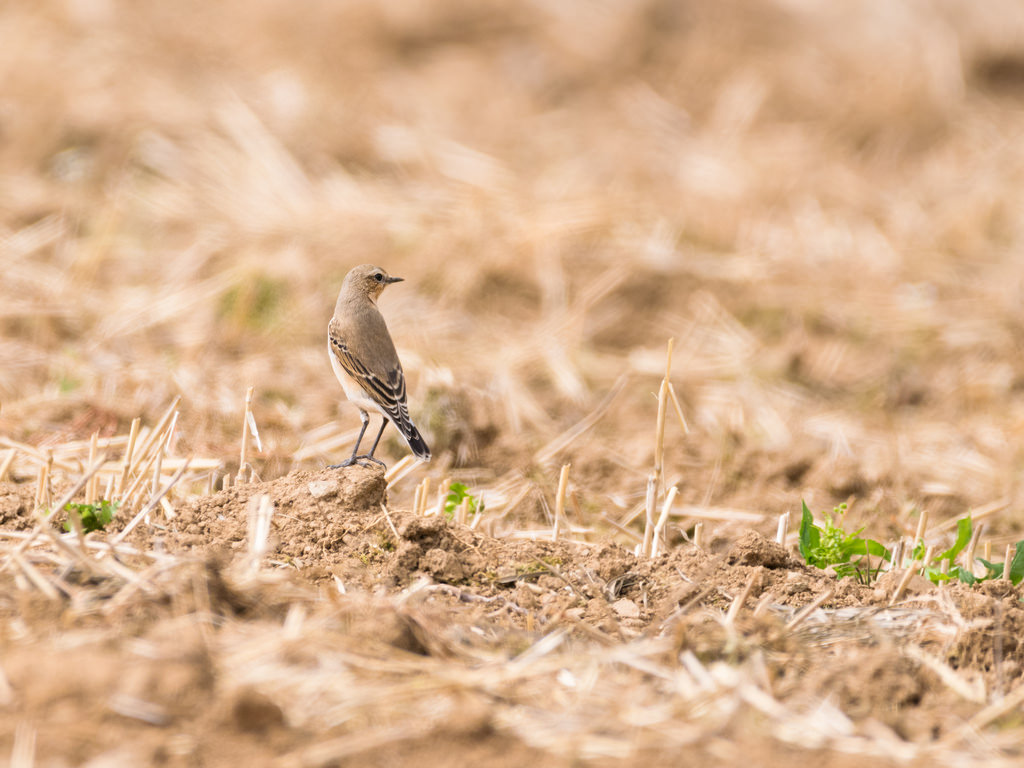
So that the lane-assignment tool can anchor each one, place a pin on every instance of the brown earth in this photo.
(819, 202)
(366, 634)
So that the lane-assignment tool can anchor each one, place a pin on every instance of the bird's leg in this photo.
(369, 456)
(352, 459)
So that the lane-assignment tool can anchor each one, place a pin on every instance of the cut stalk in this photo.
(968, 560)
(909, 574)
(90, 487)
(133, 435)
(5, 467)
(808, 609)
(162, 448)
(897, 556)
(563, 482)
(442, 495)
(65, 500)
(152, 503)
(243, 454)
(678, 408)
(659, 529)
(783, 529)
(44, 473)
(421, 509)
(659, 438)
(157, 434)
(922, 526)
(652, 495)
(741, 598)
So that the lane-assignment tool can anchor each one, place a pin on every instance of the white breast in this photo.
(353, 391)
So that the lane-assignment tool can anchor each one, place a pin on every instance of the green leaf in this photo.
(810, 535)
(1017, 564)
(995, 570)
(857, 546)
(963, 574)
(457, 493)
(964, 529)
(94, 517)
(918, 552)
(935, 575)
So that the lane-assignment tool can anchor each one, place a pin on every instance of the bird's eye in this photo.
(379, 277)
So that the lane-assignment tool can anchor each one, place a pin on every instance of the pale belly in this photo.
(353, 391)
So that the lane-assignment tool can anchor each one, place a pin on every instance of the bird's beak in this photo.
(394, 280)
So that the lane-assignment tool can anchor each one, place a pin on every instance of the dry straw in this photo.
(741, 598)
(651, 501)
(698, 535)
(152, 503)
(90, 487)
(922, 526)
(653, 527)
(442, 496)
(659, 542)
(563, 483)
(5, 465)
(260, 514)
(910, 572)
(245, 470)
(129, 452)
(968, 556)
(421, 505)
(808, 609)
(782, 529)
(68, 497)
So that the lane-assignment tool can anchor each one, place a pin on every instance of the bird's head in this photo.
(368, 280)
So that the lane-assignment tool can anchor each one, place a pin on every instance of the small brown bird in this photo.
(364, 360)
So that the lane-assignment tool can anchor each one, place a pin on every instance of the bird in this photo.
(363, 358)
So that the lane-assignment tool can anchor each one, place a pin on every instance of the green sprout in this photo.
(94, 517)
(457, 493)
(847, 553)
(964, 531)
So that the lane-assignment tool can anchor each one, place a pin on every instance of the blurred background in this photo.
(820, 202)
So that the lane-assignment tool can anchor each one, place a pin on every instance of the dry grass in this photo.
(821, 205)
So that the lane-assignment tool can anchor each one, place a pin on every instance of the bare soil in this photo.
(369, 635)
(819, 202)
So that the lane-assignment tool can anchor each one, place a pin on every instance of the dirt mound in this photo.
(319, 518)
(335, 524)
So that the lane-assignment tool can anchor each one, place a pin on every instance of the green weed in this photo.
(830, 545)
(964, 530)
(456, 495)
(94, 517)
(848, 553)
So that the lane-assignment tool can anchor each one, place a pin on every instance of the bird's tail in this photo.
(414, 439)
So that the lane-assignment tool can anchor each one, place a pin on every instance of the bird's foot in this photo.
(360, 460)
(375, 460)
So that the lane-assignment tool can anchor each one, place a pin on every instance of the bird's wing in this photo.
(386, 388)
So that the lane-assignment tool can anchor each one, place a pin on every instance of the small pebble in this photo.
(626, 608)
(320, 488)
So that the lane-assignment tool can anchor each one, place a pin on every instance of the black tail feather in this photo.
(415, 440)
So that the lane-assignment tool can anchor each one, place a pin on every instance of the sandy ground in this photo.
(371, 635)
(821, 205)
